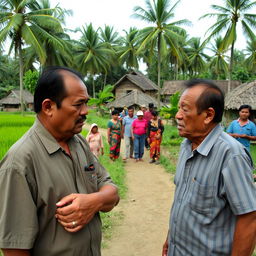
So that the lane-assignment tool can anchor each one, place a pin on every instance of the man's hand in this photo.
(76, 210)
(165, 248)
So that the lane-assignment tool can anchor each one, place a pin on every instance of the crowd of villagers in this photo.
(143, 130)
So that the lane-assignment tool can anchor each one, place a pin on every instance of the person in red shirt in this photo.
(139, 131)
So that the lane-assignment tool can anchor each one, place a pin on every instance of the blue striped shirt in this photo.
(213, 184)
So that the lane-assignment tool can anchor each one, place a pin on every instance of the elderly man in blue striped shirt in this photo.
(214, 209)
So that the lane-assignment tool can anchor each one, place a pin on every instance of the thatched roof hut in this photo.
(134, 98)
(243, 94)
(137, 78)
(12, 101)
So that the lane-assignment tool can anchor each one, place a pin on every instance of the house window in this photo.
(128, 91)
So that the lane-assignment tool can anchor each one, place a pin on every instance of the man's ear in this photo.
(209, 115)
(48, 106)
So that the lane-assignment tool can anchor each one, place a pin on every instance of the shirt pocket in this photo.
(91, 181)
(202, 198)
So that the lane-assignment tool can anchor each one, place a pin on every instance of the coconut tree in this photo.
(218, 64)
(250, 52)
(91, 54)
(127, 53)
(23, 22)
(104, 96)
(112, 39)
(163, 32)
(196, 55)
(228, 16)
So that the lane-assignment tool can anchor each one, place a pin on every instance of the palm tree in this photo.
(92, 55)
(24, 22)
(250, 61)
(196, 55)
(127, 53)
(228, 17)
(218, 64)
(104, 96)
(112, 39)
(162, 33)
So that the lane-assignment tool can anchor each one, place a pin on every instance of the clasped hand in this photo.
(78, 209)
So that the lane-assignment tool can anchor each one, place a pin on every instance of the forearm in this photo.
(245, 235)
(108, 198)
(15, 252)
(250, 137)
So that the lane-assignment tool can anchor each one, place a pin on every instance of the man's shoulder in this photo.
(229, 143)
(19, 152)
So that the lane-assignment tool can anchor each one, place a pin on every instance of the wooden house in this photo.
(134, 89)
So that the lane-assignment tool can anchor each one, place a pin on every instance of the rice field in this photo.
(12, 127)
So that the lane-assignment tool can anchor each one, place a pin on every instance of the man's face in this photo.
(244, 114)
(130, 112)
(69, 118)
(190, 123)
(140, 117)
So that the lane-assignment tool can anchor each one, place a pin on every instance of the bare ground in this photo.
(146, 209)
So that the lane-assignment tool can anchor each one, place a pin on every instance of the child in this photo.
(95, 140)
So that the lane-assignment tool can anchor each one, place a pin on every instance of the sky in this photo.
(117, 13)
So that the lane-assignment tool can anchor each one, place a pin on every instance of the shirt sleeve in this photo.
(253, 129)
(230, 128)
(238, 184)
(109, 124)
(18, 215)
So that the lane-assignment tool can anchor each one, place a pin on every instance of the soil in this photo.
(146, 208)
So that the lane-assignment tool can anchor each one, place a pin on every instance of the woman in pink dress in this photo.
(95, 140)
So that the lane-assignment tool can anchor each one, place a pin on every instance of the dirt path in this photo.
(146, 210)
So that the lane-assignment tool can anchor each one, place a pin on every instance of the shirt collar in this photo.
(239, 121)
(47, 139)
(208, 142)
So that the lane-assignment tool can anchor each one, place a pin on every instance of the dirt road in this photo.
(146, 211)
(146, 208)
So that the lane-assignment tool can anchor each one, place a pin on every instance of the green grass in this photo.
(93, 117)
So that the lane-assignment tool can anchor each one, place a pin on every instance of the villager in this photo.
(214, 208)
(94, 139)
(139, 132)
(114, 135)
(155, 132)
(52, 187)
(243, 129)
(126, 133)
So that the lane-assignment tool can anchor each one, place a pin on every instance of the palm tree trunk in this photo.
(21, 78)
(105, 80)
(158, 71)
(93, 87)
(231, 66)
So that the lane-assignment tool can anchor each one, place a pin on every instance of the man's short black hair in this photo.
(115, 112)
(245, 106)
(151, 105)
(211, 97)
(50, 85)
(154, 113)
(130, 108)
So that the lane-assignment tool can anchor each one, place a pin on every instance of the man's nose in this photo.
(84, 109)
(178, 115)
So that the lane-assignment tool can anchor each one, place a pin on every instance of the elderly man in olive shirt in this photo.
(52, 187)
